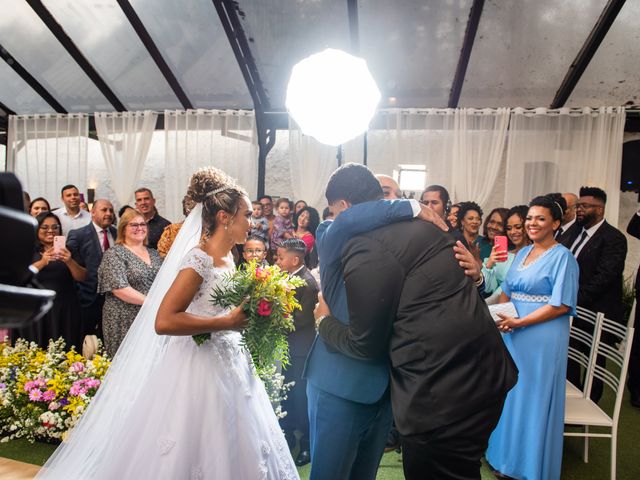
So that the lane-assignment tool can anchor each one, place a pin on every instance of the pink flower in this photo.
(29, 386)
(40, 383)
(54, 406)
(48, 395)
(93, 383)
(35, 395)
(77, 367)
(264, 308)
(262, 274)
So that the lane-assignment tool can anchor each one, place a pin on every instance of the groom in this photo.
(410, 303)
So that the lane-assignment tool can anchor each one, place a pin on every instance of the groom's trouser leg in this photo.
(452, 452)
(347, 438)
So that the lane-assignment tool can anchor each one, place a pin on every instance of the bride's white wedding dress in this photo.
(202, 414)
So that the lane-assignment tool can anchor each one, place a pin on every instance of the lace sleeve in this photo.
(197, 260)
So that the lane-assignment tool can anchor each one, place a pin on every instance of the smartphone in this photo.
(500, 241)
(59, 242)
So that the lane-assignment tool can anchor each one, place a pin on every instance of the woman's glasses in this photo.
(137, 226)
(53, 228)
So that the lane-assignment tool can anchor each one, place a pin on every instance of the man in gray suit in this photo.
(87, 244)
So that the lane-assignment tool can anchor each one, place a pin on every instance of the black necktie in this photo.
(559, 232)
(582, 238)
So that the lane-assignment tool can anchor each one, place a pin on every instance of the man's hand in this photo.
(428, 215)
(467, 261)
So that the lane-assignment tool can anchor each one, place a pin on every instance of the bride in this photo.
(169, 409)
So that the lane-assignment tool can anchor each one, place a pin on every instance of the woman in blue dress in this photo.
(543, 286)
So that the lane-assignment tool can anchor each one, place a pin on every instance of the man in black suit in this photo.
(634, 361)
(291, 259)
(600, 250)
(450, 370)
(87, 244)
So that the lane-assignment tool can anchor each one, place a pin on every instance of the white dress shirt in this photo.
(590, 232)
(101, 236)
(69, 223)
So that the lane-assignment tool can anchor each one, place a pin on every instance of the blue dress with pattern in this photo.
(527, 443)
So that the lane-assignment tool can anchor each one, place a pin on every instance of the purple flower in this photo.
(3, 386)
(64, 401)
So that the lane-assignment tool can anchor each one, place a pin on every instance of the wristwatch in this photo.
(319, 320)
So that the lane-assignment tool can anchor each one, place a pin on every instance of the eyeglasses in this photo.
(586, 206)
(256, 251)
(53, 228)
(268, 204)
(137, 226)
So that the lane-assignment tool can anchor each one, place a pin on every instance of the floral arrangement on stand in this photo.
(43, 393)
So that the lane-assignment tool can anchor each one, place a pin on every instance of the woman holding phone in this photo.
(55, 270)
(493, 226)
(497, 265)
(542, 283)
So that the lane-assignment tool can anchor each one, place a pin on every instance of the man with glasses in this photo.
(71, 215)
(146, 205)
(600, 250)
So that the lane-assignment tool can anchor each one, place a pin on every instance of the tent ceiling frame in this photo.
(153, 50)
(64, 39)
(31, 81)
(586, 53)
(465, 52)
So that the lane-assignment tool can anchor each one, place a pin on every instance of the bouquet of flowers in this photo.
(43, 393)
(270, 301)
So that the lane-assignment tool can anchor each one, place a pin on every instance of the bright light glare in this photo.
(332, 96)
(412, 180)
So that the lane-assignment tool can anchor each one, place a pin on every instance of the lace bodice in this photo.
(202, 263)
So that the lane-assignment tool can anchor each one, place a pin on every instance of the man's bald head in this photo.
(390, 187)
(570, 213)
(102, 213)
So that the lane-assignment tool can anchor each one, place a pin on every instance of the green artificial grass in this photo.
(573, 467)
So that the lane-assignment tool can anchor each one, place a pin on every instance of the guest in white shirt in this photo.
(569, 217)
(71, 215)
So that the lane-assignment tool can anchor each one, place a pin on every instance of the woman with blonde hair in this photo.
(125, 276)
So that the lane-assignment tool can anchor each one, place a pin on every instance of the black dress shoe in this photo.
(304, 457)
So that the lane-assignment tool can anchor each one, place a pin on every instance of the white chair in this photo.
(582, 411)
(588, 340)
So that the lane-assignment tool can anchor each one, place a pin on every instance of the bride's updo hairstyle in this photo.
(217, 192)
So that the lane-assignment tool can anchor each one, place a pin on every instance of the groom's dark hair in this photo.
(354, 183)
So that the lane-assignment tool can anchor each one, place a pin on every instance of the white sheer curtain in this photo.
(311, 166)
(47, 152)
(124, 141)
(562, 150)
(225, 139)
(461, 149)
(479, 144)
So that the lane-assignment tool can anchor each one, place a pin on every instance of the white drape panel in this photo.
(124, 141)
(311, 166)
(225, 139)
(47, 152)
(562, 150)
(461, 149)
(479, 144)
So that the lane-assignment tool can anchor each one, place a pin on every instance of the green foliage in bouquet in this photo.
(271, 302)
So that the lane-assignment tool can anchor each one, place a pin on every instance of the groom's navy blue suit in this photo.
(349, 406)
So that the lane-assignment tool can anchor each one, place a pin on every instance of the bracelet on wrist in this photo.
(319, 321)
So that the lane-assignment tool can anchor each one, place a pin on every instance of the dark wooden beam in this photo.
(31, 80)
(586, 53)
(354, 26)
(153, 50)
(75, 53)
(465, 53)
(6, 110)
(230, 20)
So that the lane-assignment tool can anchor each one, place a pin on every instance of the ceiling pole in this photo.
(265, 128)
(30, 79)
(153, 50)
(586, 53)
(465, 52)
(75, 53)
(354, 33)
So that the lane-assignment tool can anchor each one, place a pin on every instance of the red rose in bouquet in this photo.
(264, 308)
